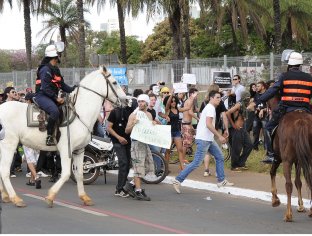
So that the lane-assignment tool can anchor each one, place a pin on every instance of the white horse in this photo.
(90, 94)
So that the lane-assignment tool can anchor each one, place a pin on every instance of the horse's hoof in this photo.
(288, 219)
(5, 198)
(49, 202)
(276, 203)
(87, 201)
(301, 209)
(20, 204)
(17, 201)
(310, 214)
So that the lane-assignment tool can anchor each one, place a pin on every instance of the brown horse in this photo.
(292, 145)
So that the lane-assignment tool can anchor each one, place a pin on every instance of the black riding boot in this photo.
(50, 128)
(269, 159)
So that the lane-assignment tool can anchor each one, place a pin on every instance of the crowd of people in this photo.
(225, 116)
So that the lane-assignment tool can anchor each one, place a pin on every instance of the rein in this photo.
(108, 83)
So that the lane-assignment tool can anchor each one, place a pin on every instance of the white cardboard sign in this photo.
(189, 78)
(180, 87)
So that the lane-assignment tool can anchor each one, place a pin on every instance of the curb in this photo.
(235, 191)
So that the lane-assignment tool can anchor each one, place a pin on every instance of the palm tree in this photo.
(2, 4)
(237, 14)
(277, 25)
(123, 7)
(296, 21)
(63, 17)
(81, 35)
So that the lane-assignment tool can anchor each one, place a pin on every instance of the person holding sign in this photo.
(172, 111)
(141, 156)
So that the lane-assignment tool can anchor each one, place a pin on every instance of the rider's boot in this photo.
(50, 128)
(269, 159)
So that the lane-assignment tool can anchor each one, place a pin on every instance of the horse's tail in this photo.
(302, 136)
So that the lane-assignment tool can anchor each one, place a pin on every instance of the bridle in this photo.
(109, 85)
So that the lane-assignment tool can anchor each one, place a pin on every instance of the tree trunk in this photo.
(63, 38)
(186, 18)
(277, 26)
(27, 29)
(175, 25)
(123, 43)
(81, 35)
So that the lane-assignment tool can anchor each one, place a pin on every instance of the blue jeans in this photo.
(204, 147)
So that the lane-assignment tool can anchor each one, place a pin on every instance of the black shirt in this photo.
(119, 117)
(153, 112)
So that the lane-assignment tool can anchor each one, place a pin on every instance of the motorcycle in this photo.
(100, 156)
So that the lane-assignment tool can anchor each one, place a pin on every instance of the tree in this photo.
(277, 25)
(81, 34)
(133, 6)
(2, 4)
(111, 45)
(63, 17)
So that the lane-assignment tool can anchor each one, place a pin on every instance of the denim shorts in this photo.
(175, 134)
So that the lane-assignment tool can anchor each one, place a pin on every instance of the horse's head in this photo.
(114, 91)
(273, 102)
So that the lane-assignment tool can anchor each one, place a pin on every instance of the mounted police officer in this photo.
(295, 89)
(48, 83)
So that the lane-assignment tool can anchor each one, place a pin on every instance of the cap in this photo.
(295, 58)
(144, 97)
(50, 51)
(165, 90)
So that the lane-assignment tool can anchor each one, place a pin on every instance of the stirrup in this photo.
(50, 141)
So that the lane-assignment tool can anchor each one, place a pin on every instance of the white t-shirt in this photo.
(238, 90)
(202, 131)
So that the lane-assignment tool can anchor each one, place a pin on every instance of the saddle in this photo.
(37, 117)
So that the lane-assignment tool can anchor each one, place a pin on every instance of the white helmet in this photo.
(50, 51)
(295, 58)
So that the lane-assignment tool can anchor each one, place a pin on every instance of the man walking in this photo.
(117, 122)
(141, 156)
(205, 143)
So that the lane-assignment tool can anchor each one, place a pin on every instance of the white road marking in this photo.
(242, 192)
(68, 205)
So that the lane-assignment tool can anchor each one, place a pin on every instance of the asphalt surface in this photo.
(192, 211)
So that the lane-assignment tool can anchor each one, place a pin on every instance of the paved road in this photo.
(168, 212)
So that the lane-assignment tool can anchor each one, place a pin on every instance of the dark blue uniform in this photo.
(50, 81)
(295, 88)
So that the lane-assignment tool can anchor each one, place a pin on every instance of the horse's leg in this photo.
(78, 171)
(288, 185)
(65, 161)
(6, 161)
(310, 213)
(4, 194)
(298, 184)
(275, 200)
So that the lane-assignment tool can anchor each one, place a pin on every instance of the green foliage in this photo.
(111, 45)
(5, 65)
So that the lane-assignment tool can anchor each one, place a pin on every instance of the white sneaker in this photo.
(224, 183)
(207, 173)
(13, 176)
(176, 185)
(42, 175)
(28, 175)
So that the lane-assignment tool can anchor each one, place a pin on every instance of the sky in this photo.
(12, 25)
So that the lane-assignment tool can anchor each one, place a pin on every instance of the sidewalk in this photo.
(247, 184)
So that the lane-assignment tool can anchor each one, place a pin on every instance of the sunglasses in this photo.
(13, 92)
(235, 79)
(173, 101)
(165, 92)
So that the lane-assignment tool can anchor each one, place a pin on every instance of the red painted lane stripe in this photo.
(120, 216)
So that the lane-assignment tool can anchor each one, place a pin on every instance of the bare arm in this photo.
(213, 130)
(168, 104)
(131, 123)
(231, 111)
(225, 123)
